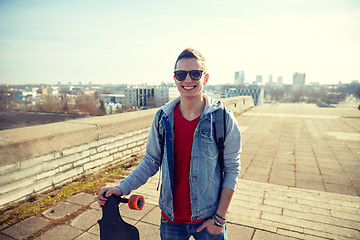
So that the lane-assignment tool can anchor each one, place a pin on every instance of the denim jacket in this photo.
(204, 167)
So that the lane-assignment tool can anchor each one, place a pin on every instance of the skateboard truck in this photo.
(112, 226)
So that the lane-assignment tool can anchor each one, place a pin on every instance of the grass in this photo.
(36, 204)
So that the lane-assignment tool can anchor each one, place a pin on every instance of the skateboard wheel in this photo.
(136, 202)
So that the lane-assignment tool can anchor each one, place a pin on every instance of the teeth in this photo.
(188, 87)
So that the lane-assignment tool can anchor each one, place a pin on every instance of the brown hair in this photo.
(191, 53)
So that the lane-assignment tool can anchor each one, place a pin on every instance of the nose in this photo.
(188, 78)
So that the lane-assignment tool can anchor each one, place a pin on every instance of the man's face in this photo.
(190, 87)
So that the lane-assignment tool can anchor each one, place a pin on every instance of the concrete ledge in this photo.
(29, 142)
(23, 143)
(238, 104)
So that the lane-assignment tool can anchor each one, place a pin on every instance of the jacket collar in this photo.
(211, 105)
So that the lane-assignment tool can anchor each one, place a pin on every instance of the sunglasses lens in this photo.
(195, 74)
(180, 75)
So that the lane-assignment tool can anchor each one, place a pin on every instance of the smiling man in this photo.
(194, 196)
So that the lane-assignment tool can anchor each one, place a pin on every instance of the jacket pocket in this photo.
(208, 145)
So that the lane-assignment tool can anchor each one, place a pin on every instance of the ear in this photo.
(206, 79)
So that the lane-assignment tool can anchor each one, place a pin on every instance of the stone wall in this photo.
(38, 158)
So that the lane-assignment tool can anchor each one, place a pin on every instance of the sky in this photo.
(138, 41)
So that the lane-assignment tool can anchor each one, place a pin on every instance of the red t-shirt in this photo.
(184, 133)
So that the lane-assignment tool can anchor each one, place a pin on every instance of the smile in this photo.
(189, 87)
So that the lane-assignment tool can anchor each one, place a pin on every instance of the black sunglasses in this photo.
(194, 75)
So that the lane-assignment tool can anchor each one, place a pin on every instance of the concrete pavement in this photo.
(303, 146)
(299, 180)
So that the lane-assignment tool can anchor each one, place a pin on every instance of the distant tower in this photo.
(298, 85)
(259, 79)
(239, 78)
(280, 81)
(298, 80)
(270, 79)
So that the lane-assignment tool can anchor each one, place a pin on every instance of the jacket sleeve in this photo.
(232, 149)
(149, 164)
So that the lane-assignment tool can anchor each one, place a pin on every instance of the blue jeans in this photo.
(183, 231)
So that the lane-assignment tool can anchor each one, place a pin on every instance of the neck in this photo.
(192, 107)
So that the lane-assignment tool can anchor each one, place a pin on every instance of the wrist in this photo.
(118, 191)
(215, 222)
(220, 218)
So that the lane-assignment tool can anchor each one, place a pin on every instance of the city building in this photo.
(113, 98)
(165, 94)
(258, 80)
(130, 96)
(42, 91)
(298, 80)
(145, 97)
(255, 91)
(113, 102)
(142, 96)
(298, 86)
(239, 78)
(270, 83)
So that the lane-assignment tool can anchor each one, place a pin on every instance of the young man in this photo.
(194, 199)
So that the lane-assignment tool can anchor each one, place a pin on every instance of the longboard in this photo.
(112, 226)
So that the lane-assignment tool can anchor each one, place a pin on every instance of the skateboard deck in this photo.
(112, 226)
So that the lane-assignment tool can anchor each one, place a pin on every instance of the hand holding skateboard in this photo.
(104, 193)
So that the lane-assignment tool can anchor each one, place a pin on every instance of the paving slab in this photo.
(263, 235)
(86, 219)
(26, 228)
(61, 232)
(3, 226)
(95, 230)
(95, 206)
(82, 199)
(256, 177)
(339, 188)
(319, 186)
(238, 232)
(274, 179)
(61, 210)
(148, 231)
(87, 236)
(5, 237)
(153, 217)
